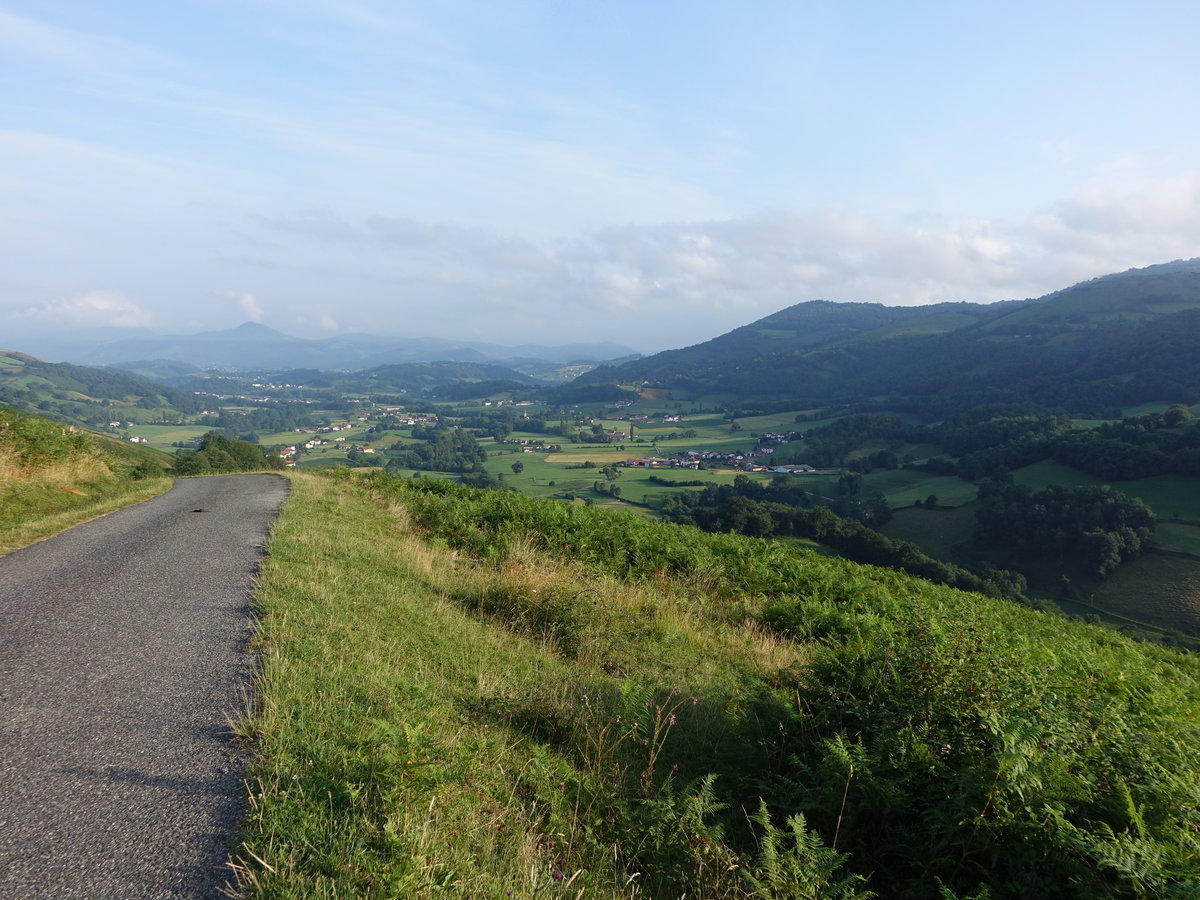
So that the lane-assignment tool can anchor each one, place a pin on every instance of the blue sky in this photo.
(650, 173)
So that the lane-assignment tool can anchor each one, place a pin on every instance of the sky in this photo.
(649, 172)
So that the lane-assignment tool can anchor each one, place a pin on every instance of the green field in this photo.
(937, 532)
(1178, 537)
(271, 439)
(1170, 496)
(904, 487)
(784, 421)
(163, 437)
(1156, 589)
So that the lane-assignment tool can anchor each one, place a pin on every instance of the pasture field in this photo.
(324, 461)
(600, 454)
(904, 487)
(1156, 589)
(163, 437)
(937, 532)
(282, 437)
(1170, 496)
(782, 421)
(636, 485)
(1178, 537)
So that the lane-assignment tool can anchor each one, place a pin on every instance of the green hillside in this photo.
(83, 395)
(54, 475)
(486, 695)
(1115, 341)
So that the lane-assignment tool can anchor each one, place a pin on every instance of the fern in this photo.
(794, 863)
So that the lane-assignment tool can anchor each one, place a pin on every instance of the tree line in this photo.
(781, 509)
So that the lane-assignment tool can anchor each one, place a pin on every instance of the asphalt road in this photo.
(121, 664)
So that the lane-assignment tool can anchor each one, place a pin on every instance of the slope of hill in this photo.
(53, 475)
(83, 395)
(1121, 339)
(430, 375)
(479, 692)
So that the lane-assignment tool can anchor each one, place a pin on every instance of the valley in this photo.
(931, 404)
(872, 608)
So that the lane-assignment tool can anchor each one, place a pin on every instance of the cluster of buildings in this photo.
(693, 459)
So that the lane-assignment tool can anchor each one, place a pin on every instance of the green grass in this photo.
(53, 476)
(410, 746)
(1159, 590)
(1170, 496)
(35, 510)
(904, 487)
(937, 532)
(777, 422)
(478, 694)
(164, 436)
(1177, 537)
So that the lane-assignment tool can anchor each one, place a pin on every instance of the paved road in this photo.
(120, 662)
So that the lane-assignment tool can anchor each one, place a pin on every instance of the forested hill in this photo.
(1118, 340)
(82, 395)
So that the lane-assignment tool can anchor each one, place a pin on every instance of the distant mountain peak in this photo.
(253, 330)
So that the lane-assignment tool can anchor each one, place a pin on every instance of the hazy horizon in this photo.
(648, 174)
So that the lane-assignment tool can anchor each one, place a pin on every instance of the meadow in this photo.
(164, 437)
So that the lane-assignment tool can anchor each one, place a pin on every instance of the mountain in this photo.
(256, 347)
(1118, 340)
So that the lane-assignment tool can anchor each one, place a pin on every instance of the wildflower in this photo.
(558, 876)
(671, 719)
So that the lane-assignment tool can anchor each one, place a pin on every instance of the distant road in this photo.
(120, 663)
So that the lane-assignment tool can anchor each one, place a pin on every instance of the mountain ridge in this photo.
(253, 346)
(1095, 341)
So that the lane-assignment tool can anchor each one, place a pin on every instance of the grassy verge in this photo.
(426, 724)
(478, 694)
(32, 511)
(53, 476)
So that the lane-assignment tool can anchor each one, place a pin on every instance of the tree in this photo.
(518, 467)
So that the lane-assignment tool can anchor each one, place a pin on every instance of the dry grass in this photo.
(124, 494)
(37, 502)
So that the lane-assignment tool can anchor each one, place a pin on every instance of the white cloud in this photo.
(329, 323)
(677, 282)
(251, 307)
(108, 309)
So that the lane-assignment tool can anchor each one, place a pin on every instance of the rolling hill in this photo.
(255, 347)
(82, 395)
(1118, 340)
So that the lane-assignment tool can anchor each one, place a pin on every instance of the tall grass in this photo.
(52, 477)
(487, 695)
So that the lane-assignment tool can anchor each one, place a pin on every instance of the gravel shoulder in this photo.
(121, 665)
